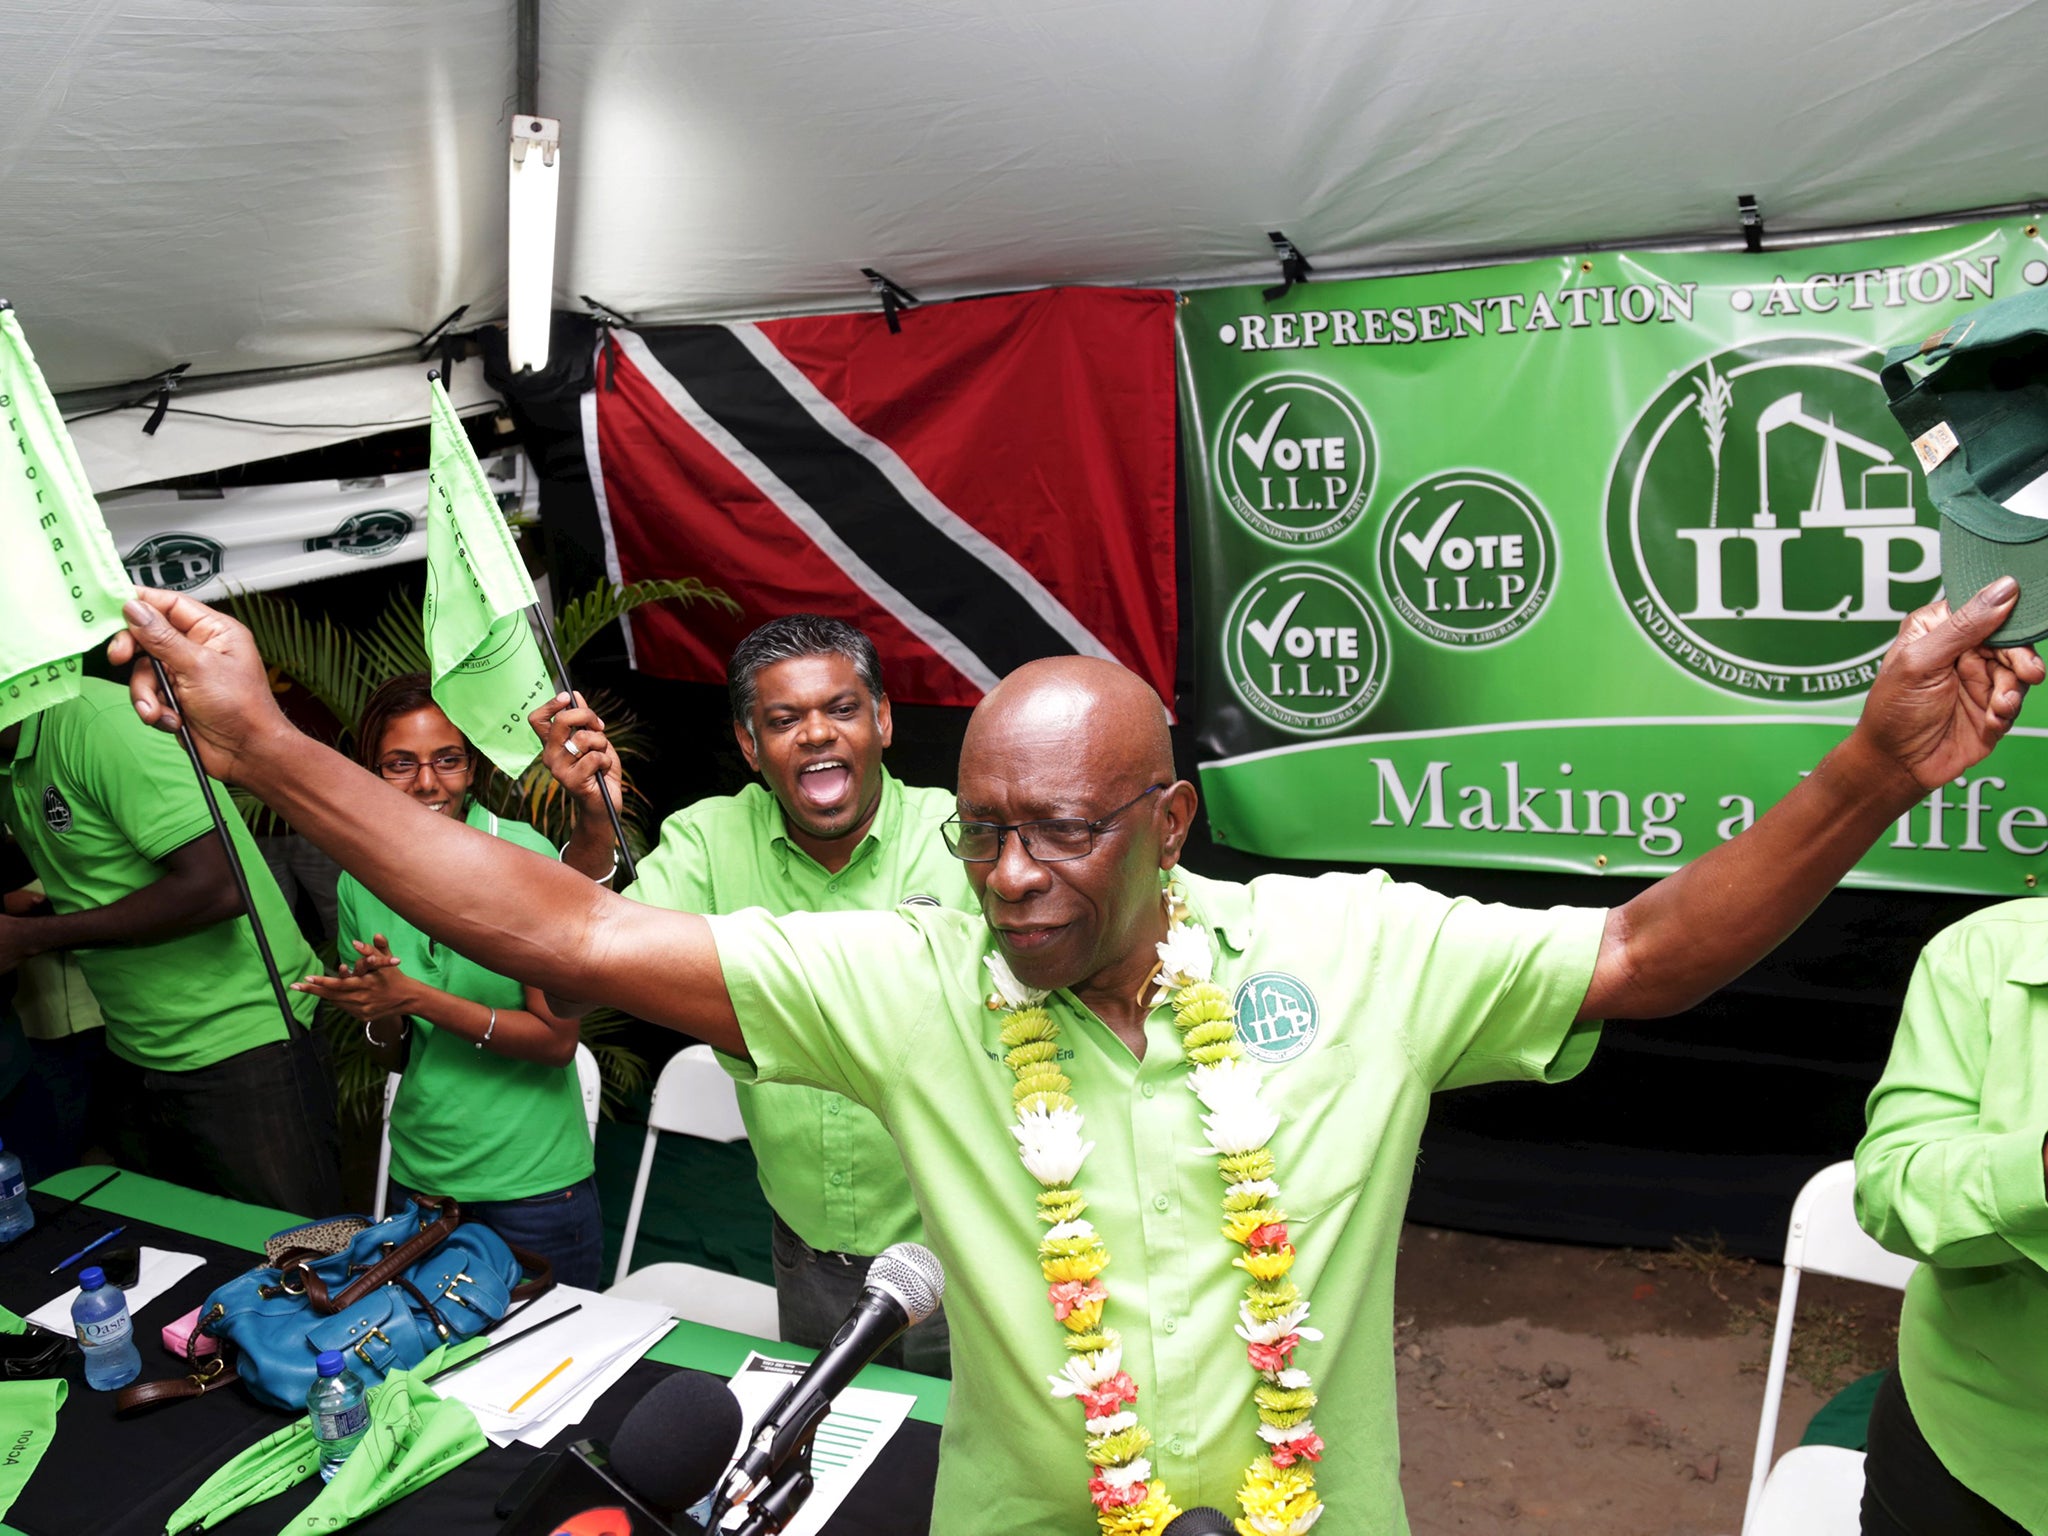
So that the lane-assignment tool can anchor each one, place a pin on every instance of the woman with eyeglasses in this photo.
(489, 1111)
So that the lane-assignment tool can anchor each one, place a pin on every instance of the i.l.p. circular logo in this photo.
(1469, 558)
(1305, 648)
(1295, 459)
(1767, 525)
(1277, 1016)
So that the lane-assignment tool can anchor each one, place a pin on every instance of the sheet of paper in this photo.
(160, 1269)
(848, 1441)
(600, 1344)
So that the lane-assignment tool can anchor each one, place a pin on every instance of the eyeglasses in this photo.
(1051, 841)
(446, 765)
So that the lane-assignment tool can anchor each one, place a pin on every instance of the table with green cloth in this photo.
(121, 1476)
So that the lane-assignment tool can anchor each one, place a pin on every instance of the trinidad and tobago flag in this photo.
(992, 484)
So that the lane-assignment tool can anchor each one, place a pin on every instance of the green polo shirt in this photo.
(826, 1165)
(1950, 1173)
(1363, 995)
(470, 1123)
(96, 798)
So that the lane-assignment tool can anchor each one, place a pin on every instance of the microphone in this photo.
(904, 1287)
(1200, 1521)
(667, 1455)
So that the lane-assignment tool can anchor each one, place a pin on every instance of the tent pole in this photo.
(528, 102)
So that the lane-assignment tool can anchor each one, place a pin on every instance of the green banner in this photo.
(1578, 563)
(61, 583)
(486, 666)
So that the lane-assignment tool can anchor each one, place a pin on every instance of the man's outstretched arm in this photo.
(1941, 702)
(512, 910)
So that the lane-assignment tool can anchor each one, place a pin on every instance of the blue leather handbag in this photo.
(400, 1289)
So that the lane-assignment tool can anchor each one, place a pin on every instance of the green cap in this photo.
(1973, 399)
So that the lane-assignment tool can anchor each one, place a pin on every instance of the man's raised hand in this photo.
(1943, 698)
(223, 693)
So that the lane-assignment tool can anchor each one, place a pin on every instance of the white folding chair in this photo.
(693, 1097)
(588, 1079)
(1815, 1490)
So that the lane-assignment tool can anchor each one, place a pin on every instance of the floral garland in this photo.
(1278, 1494)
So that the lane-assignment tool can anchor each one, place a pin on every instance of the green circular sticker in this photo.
(177, 562)
(1767, 526)
(1468, 558)
(1305, 648)
(1295, 459)
(1277, 1016)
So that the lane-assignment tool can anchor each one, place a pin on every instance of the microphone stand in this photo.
(771, 1509)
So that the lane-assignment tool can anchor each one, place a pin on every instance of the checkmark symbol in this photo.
(1268, 635)
(1256, 448)
(1423, 550)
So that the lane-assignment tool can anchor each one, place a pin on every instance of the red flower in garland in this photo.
(1107, 1496)
(1273, 1356)
(1070, 1294)
(1111, 1396)
(1272, 1235)
(1308, 1448)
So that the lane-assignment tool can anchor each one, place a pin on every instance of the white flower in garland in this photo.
(1293, 1381)
(1080, 1226)
(1084, 1373)
(1293, 1320)
(1185, 958)
(1010, 992)
(1265, 1189)
(1227, 1085)
(1049, 1140)
(1242, 1128)
(1269, 1527)
(1301, 1431)
(1136, 1470)
(1111, 1423)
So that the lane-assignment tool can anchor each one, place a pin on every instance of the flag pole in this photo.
(220, 828)
(561, 668)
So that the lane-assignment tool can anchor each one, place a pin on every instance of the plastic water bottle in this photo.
(340, 1413)
(15, 1216)
(100, 1315)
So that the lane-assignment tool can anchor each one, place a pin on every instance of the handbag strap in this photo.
(430, 1236)
(147, 1394)
(540, 1273)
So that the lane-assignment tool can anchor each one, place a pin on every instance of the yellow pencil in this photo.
(551, 1375)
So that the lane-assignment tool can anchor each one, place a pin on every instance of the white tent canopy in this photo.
(247, 185)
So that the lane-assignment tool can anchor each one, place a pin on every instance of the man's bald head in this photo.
(1101, 717)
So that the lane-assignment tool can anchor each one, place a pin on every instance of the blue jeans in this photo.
(563, 1226)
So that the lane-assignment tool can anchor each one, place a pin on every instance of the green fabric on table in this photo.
(97, 800)
(1844, 1419)
(139, 1196)
(413, 1437)
(468, 1123)
(826, 1164)
(28, 1420)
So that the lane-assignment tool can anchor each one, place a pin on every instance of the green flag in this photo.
(61, 583)
(487, 668)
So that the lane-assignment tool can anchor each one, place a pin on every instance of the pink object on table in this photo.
(177, 1333)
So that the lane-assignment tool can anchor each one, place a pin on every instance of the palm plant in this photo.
(341, 667)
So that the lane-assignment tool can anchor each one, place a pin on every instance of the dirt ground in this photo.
(1548, 1390)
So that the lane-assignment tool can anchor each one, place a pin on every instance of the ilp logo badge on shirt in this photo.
(1277, 1016)
(56, 810)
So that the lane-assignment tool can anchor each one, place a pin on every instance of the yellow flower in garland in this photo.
(1277, 1501)
(1148, 1518)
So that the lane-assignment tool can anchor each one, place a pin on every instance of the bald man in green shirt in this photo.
(828, 829)
(1219, 1087)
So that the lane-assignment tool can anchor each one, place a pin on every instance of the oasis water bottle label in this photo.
(342, 1423)
(111, 1330)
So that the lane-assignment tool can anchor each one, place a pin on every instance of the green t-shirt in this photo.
(1364, 995)
(826, 1165)
(1950, 1173)
(96, 798)
(470, 1123)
